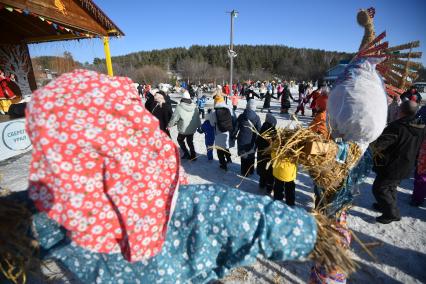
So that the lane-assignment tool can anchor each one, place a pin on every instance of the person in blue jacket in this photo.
(201, 103)
(208, 131)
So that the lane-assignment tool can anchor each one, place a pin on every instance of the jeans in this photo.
(202, 112)
(209, 152)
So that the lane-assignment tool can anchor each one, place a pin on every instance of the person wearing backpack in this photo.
(221, 120)
(187, 119)
(246, 137)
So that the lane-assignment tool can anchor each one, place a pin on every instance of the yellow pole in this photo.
(108, 56)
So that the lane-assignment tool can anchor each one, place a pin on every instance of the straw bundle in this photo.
(17, 250)
(327, 173)
(329, 250)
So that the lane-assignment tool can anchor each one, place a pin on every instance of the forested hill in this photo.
(257, 60)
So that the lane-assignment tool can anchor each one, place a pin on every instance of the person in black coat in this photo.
(395, 156)
(285, 99)
(266, 178)
(162, 110)
(246, 138)
(249, 93)
(267, 102)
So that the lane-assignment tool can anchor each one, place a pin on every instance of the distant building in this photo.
(44, 76)
(333, 73)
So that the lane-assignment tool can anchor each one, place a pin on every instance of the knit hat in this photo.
(185, 95)
(101, 167)
(251, 105)
(271, 119)
(218, 99)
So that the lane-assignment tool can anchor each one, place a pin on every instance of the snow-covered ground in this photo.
(399, 248)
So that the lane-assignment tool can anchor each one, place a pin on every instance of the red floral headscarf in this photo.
(101, 167)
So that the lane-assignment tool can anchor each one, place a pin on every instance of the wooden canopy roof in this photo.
(33, 21)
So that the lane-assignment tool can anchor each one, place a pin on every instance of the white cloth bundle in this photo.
(357, 107)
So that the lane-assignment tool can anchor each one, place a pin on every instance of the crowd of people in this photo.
(134, 151)
(224, 129)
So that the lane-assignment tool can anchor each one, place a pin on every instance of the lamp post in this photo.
(231, 52)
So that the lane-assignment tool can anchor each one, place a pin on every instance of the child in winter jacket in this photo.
(266, 179)
(284, 176)
(234, 99)
(208, 131)
(201, 103)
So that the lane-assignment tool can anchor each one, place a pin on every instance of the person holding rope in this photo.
(247, 122)
(222, 121)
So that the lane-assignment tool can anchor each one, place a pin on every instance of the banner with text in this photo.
(14, 139)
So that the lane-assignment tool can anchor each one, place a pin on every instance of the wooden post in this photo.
(108, 56)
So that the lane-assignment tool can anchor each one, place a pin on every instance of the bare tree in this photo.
(15, 59)
(150, 74)
(260, 74)
(217, 74)
(193, 70)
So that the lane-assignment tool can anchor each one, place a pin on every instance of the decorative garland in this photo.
(58, 27)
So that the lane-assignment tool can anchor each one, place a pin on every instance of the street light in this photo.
(231, 52)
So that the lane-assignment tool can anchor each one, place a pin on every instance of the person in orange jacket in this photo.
(319, 123)
(234, 99)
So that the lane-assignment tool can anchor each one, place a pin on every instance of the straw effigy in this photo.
(330, 250)
(18, 252)
(293, 145)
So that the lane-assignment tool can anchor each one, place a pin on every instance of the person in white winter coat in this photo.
(187, 119)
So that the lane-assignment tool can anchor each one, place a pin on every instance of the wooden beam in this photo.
(18, 23)
(76, 17)
(52, 38)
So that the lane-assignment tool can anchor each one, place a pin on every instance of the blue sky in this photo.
(322, 24)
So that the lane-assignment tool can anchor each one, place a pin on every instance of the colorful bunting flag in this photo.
(27, 12)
